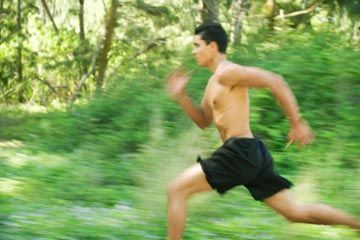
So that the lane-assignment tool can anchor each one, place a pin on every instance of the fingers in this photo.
(302, 138)
(305, 140)
(289, 143)
(300, 142)
(302, 134)
(177, 81)
(177, 73)
(313, 136)
(309, 137)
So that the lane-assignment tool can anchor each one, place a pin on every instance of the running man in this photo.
(242, 159)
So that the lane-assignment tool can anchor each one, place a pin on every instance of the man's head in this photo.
(210, 38)
(211, 31)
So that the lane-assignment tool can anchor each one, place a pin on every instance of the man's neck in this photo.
(218, 59)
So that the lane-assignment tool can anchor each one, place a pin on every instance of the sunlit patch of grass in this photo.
(306, 189)
(20, 159)
(11, 144)
(17, 160)
(31, 108)
(9, 186)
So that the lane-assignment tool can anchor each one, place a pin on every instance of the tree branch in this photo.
(8, 36)
(150, 46)
(153, 44)
(86, 75)
(293, 14)
(49, 15)
(297, 13)
(81, 20)
(47, 83)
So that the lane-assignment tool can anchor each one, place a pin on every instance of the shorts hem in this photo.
(262, 197)
(207, 175)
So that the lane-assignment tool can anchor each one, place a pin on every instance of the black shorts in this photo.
(243, 161)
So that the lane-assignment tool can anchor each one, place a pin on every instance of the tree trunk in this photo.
(4, 96)
(356, 32)
(49, 15)
(1, 7)
(109, 31)
(238, 17)
(1, 11)
(83, 65)
(19, 53)
(269, 12)
(81, 20)
(210, 10)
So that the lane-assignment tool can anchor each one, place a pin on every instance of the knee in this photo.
(171, 189)
(174, 189)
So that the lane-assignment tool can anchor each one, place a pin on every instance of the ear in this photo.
(214, 46)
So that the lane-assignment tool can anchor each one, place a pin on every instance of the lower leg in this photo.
(177, 206)
(323, 214)
(191, 181)
(284, 203)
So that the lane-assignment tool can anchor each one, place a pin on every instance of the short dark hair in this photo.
(211, 31)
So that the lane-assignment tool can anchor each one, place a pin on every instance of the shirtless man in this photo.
(242, 159)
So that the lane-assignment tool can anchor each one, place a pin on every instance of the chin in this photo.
(201, 64)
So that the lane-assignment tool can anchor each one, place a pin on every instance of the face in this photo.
(202, 51)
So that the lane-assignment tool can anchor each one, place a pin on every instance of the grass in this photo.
(101, 171)
(48, 194)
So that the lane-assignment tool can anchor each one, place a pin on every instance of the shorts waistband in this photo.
(230, 139)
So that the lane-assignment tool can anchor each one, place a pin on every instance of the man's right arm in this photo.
(176, 84)
(201, 116)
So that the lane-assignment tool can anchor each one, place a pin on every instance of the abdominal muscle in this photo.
(230, 109)
(230, 126)
(232, 119)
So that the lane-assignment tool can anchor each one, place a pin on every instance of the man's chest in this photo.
(217, 94)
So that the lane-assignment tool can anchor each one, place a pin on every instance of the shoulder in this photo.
(235, 74)
(231, 73)
(229, 68)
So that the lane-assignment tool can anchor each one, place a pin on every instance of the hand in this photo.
(301, 133)
(176, 83)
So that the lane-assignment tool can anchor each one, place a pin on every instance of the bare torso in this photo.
(229, 107)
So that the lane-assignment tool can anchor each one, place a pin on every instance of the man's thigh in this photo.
(283, 202)
(192, 180)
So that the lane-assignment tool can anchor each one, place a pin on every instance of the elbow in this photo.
(277, 83)
(205, 121)
(279, 80)
(203, 125)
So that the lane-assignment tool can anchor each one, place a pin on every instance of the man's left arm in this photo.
(254, 77)
(300, 130)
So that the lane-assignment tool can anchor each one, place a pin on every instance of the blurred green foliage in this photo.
(100, 170)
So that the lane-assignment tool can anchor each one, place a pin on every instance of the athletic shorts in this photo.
(243, 161)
